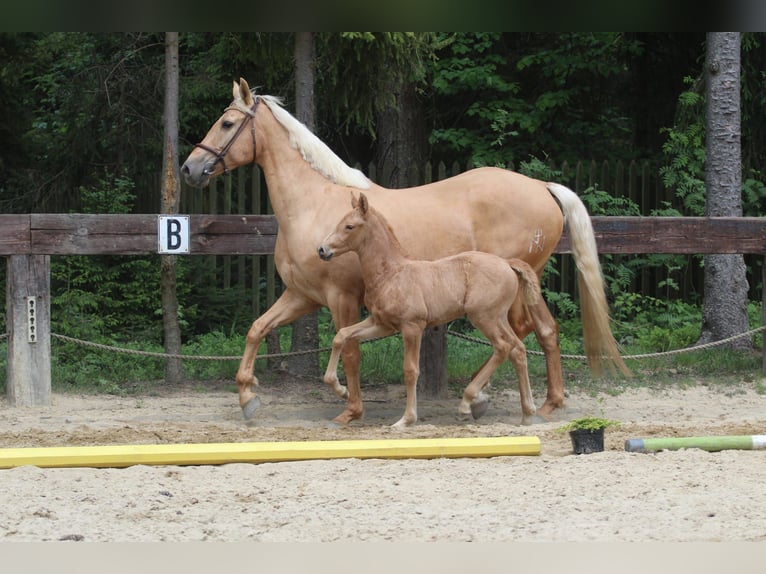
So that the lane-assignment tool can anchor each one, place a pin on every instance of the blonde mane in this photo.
(314, 150)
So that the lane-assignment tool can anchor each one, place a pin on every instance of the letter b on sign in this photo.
(173, 234)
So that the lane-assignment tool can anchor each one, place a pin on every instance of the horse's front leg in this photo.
(412, 336)
(286, 309)
(367, 329)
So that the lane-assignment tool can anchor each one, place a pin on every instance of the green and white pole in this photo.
(708, 443)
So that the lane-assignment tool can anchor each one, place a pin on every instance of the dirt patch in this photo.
(688, 495)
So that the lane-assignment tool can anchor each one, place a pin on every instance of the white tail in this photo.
(597, 335)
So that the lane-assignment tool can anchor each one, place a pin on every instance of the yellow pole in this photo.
(256, 452)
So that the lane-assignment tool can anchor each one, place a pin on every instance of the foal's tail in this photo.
(530, 283)
(597, 335)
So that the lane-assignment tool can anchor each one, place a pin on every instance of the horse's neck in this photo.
(294, 185)
(380, 254)
(291, 181)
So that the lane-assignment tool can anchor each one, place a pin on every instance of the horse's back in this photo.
(485, 209)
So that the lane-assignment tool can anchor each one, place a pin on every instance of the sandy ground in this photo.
(687, 495)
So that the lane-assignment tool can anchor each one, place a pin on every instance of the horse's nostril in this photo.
(185, 169)
(324, 253)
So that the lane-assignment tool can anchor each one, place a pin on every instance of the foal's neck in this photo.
(380, 253)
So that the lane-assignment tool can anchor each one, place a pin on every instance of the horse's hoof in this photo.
(479, 406)
(251, 407)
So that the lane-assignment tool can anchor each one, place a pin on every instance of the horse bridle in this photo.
(219, 155)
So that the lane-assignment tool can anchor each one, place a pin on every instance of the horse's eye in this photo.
(227, 124)
(349, 227)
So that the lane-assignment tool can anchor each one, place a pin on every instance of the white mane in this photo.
(314, 150)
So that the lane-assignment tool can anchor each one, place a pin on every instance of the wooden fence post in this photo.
(29, 334)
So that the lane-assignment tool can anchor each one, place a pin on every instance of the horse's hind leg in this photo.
(285, 310)
(518, 356)
(546, 330)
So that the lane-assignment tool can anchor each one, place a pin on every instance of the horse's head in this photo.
(348, 232)
(223, 149)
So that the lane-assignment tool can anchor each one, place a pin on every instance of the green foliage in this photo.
(684, 149)
(85, 369)
(531, 93)
(93, 296)
(589, 424)
(655, 325)
(214, 344)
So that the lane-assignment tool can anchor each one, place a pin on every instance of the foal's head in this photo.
(348, 232)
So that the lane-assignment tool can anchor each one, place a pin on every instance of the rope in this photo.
(326, 349)
(176, 356)
(635, 357)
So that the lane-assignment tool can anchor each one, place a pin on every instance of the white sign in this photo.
(173, 234)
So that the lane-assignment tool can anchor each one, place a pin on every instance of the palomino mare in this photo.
(407, 295)
(484, 209)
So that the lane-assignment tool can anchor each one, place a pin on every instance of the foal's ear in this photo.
(245, 93)
(354, 202)
(363, 205)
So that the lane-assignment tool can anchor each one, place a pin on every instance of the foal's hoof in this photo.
(479, 406)
(251, 407)
(533, 420)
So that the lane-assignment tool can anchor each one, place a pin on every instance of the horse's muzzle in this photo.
(324, 253)
(197, 175)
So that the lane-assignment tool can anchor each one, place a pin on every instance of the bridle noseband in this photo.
(219, 155)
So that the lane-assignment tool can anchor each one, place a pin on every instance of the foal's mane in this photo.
(314, 150)
(371, 211)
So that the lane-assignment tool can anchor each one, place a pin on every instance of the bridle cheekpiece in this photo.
(219, 155)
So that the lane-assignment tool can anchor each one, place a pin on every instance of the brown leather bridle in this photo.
(219, 155)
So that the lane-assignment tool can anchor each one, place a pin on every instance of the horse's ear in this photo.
(245, 93)
(363, 205)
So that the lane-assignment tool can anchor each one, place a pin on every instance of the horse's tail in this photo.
(597, 336)
(530, 283)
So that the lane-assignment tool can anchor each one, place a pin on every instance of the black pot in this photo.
(587, 441)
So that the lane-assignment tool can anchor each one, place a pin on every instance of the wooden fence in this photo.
(28, 241)
(244, 192)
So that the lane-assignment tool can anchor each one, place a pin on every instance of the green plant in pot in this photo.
(587, 433)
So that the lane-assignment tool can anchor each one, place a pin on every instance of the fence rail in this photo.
(89, 234)
(29, 240)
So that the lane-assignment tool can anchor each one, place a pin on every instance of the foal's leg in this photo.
(367, 329)
(285, 310)
(412, 335)
(494, 330)
(480, 380)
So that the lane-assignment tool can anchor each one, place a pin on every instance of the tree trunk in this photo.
(725, 281)
(305, 331)
(170, 200)
(400, 143)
